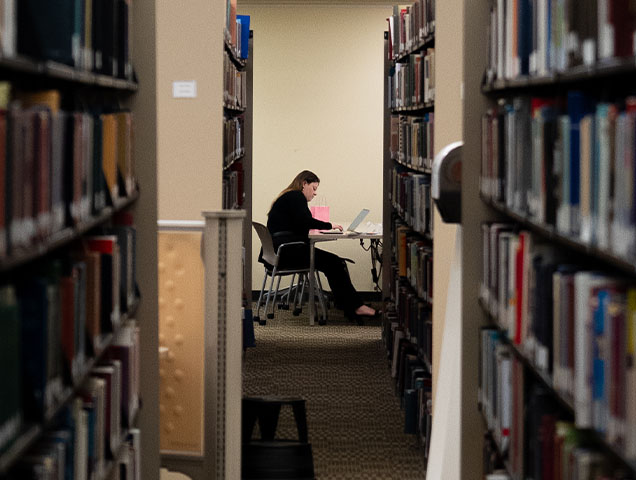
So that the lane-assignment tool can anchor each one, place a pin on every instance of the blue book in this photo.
(244, 20)
(524, 35)
(600, 361)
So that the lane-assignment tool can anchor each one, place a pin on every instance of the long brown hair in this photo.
(306, 176)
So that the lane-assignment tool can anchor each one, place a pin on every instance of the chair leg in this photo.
(286, 298)
(275, 296)
(257, 318)
(321, 297)
(269, 295)
(299, 285)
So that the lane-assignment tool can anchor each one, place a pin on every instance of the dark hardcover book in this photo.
(68, 321)
(524, 34)
(410, 411)
(125, 237)
(97, 26)
(45, 30)
(107, 247)
(99, 182)
(33, 308)
(3, 182)
(123, 59)
(108, 48)
(10, 368)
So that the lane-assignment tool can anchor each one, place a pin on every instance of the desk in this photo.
(315, 237)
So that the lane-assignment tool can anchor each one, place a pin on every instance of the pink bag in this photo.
(320, 213)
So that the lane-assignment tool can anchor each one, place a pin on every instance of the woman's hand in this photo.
(339, 227)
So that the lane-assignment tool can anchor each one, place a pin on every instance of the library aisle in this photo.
(355, 423)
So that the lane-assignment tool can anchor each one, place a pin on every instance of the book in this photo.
(45, 30)
(109, 155)
(11, 414)
(110, 283)
(111, 373)
(244, 21)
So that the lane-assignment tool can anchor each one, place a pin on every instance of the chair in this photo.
(271, 260)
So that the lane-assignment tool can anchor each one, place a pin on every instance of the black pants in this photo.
(331, 265)
(337, 273)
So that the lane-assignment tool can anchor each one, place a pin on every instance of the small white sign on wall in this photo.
(184, 89)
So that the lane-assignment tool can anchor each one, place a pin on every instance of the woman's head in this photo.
(307, 182)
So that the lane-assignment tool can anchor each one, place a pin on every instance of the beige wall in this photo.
(189, 47)
(318, 100)
(448, 129)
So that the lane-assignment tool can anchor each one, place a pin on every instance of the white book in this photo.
(504, 397)
(501, 32)
(584, 283)
(605, 31)
(97, 388)
(542, 40)
(504, 278)
(8, 26)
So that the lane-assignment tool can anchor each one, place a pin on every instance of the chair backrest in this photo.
(269, 254)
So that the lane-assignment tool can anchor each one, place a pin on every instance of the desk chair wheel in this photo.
(260, 322)
(270, 315)
(297, 311)
(283, 306)
(322, 321)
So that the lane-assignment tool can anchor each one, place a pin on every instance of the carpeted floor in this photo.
(354, 418)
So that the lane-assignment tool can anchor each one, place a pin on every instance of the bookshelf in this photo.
(72, 315)
(548, 187)
(237, 136)
(407, 210)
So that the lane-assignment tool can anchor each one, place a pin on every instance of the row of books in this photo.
(412, 83)
(414, 258)
(236, 30)
(413, 384)
(535, 437)
(575, 325)
(233, 187)
(233, 139)
(57, 317)
(541, 37)
(414, 317)
(411, 197)
(411, 141)
(409, 26)
(568, 163)
(58, 168)
(92, 437)
(89, 35)
(234, 84)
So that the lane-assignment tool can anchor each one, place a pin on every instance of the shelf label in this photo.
(184, 89)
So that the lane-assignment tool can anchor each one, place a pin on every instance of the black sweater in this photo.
(290, 219)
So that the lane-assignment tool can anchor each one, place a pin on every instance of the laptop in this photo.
(352, 226)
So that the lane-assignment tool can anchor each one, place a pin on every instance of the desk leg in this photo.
(312, 283)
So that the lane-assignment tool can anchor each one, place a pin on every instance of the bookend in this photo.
(270, 457)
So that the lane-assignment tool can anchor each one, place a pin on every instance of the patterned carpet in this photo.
(354, 418)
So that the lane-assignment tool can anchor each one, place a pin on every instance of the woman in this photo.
(290, 220)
